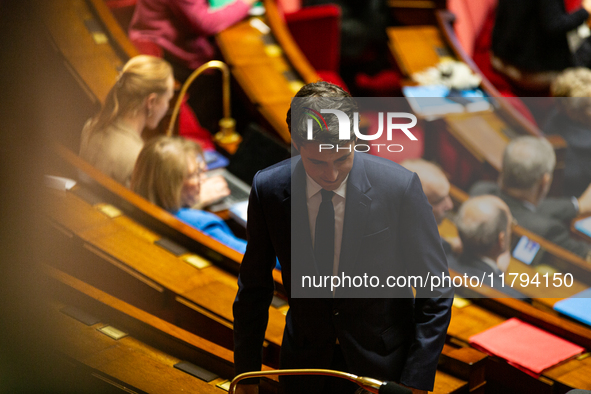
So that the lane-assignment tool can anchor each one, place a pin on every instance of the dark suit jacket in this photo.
(389, 229)
(577, 170)
(547, 220)
(531, 34)
(475, 266)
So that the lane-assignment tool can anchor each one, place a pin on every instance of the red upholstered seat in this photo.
(572, 5)
(332, 77)
(122, 11)
(383, 148)
(190, 128)
(316, 30)
(146, 47)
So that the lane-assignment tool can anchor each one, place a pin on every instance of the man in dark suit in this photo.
(380, 225)
(484, 226)
(526, 176)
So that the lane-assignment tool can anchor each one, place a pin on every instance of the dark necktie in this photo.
(324, 234)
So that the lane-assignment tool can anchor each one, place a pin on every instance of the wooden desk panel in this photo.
(546, 295)
(446, 383)
(97, 64)
(210, 289)
(148, 259)
(574, 373)
(482, 134)
(470, 320)
(73, 213)
(269, 73)
(85, 296)
(264, 82)
(293, 53)
(128, 359)
(416, 48)
(242, 44)
(276, 114)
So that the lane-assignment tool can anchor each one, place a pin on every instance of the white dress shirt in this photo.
(314, 198)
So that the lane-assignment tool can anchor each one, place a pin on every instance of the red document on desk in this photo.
(525, 346)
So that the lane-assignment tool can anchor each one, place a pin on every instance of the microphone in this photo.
(393, 388)
(372, 385)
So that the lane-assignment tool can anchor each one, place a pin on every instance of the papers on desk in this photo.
(257, 8)
(584, 226)
(578, 306)
(239, 211)
(59, 183)
(434, 100)
(526, 347)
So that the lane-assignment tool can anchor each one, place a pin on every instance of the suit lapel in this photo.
(301, 239)
(357, 206)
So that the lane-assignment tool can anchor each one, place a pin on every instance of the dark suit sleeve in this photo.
(558, 208)
(255, 288)
(558, 233)
(484, 187)
(424, 255)
(554, 18)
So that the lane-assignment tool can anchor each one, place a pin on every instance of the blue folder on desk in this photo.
(435, 100)
(578, 306)
(584, 226)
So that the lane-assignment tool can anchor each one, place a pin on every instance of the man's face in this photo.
(438, 196)
(505, 257)
(328, 167)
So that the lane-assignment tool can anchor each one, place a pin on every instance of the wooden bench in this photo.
(145, 358)
(120, 256)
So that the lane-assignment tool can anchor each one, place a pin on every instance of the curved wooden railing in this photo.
(119, 38)
(288, 44)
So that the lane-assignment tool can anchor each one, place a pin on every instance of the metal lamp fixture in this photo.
(227, 137)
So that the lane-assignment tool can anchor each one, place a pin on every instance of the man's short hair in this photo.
(429, 173)
(316, 96)
(525, 161)
(480, 220)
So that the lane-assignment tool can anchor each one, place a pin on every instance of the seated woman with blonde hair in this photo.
(111, 140)
(168, 174)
